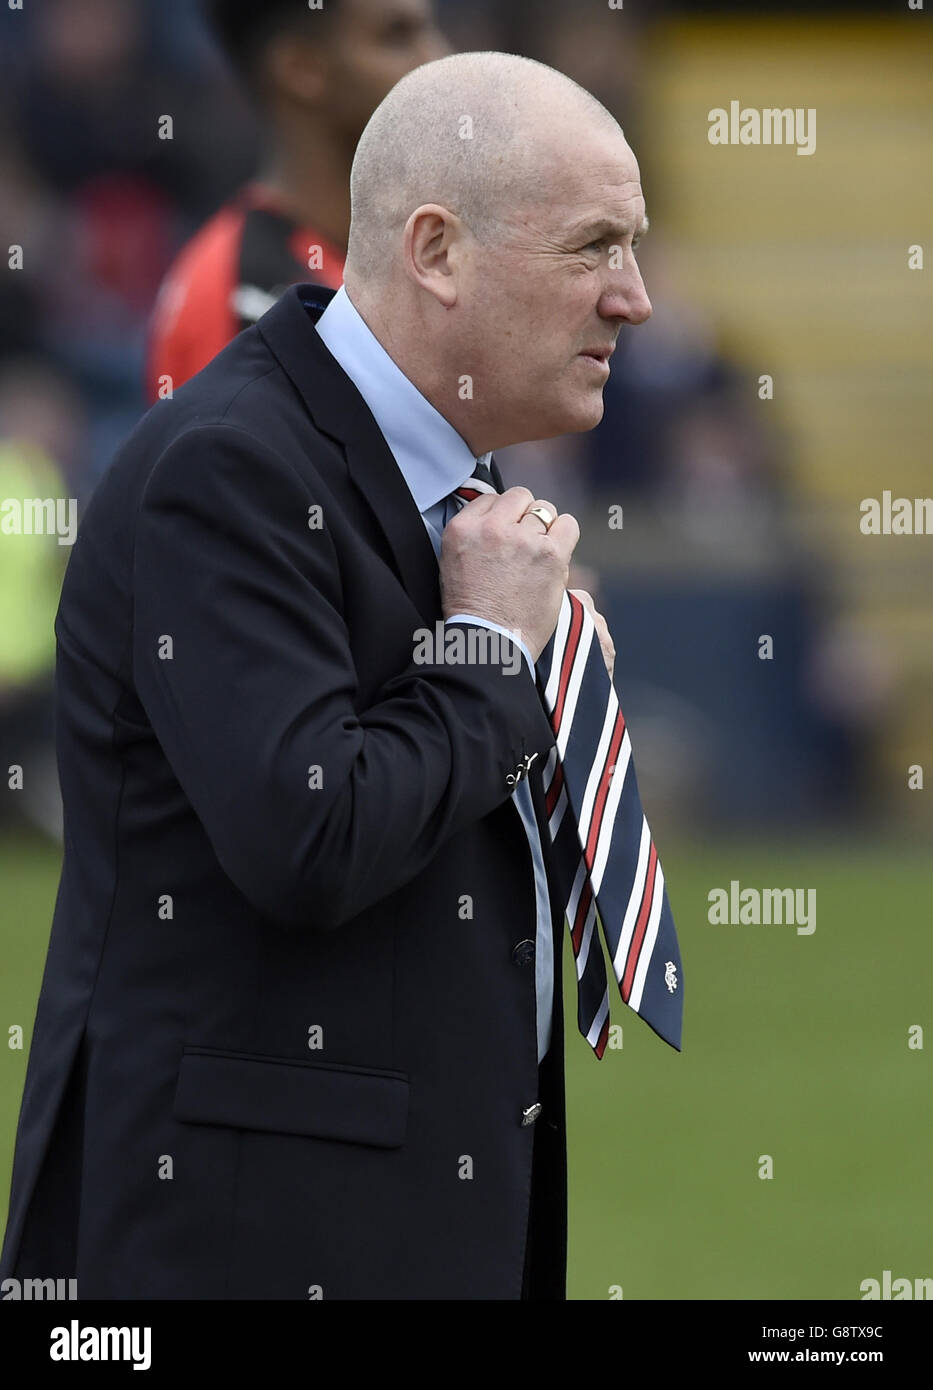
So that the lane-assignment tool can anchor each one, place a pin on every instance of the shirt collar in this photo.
(433, 458)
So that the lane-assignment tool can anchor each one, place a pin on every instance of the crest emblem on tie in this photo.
(670, 976)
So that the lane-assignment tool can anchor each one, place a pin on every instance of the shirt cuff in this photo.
(494, 627)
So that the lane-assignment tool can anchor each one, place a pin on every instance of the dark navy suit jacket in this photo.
(285, 1043)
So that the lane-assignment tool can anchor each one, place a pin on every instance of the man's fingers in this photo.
(602, 628)
(526, 519)
(512, 503)
(512, 506)
(584, 598)
(583, 577)
(483, 502)
(565, 532)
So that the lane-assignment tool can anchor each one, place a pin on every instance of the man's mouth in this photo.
(598, 354)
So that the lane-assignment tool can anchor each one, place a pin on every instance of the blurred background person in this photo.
(314, 78)
(98, 189)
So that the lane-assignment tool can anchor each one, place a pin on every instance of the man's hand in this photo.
(502, 565)
(602, 629)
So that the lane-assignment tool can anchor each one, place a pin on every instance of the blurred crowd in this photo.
(100, 206)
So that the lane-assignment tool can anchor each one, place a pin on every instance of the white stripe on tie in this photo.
(616, 783)
(634, 902)
(651, 936)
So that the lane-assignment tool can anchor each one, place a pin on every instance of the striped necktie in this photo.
(603, 857)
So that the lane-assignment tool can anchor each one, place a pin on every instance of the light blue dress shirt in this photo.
(434, 460)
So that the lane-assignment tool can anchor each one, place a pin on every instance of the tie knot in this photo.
(479, 481)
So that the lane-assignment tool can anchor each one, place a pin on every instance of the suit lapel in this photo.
(379, 479)
(340, 412)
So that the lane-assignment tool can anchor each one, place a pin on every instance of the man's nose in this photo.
(626, 297)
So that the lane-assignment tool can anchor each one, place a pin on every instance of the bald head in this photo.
(477, 133)
(496, 207)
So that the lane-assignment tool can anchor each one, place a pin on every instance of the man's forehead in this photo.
(616, 212)
(611, 214)
(603, 181)
(612, 208)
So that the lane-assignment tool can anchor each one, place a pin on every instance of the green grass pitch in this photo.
(795, 1047)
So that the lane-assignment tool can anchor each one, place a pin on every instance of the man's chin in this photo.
(586, 415)
(575, 418)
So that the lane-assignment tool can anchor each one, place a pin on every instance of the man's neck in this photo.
(309, 174)
(408, 344)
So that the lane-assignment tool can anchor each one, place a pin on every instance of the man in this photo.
(300, 1028)
(314, 77)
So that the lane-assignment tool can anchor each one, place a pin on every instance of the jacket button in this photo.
(523, 953)
(531, 1113)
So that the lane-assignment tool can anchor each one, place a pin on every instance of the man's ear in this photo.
(432, 251)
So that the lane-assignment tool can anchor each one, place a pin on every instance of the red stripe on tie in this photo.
(615, 743)
(603, 1038)
(554, 790)
(469, 493)
(638, 936)
(570, 652)
(583, 907)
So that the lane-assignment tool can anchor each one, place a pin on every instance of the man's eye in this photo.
(595, 245)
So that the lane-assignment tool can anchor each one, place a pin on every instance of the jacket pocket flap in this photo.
(290, 1097)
